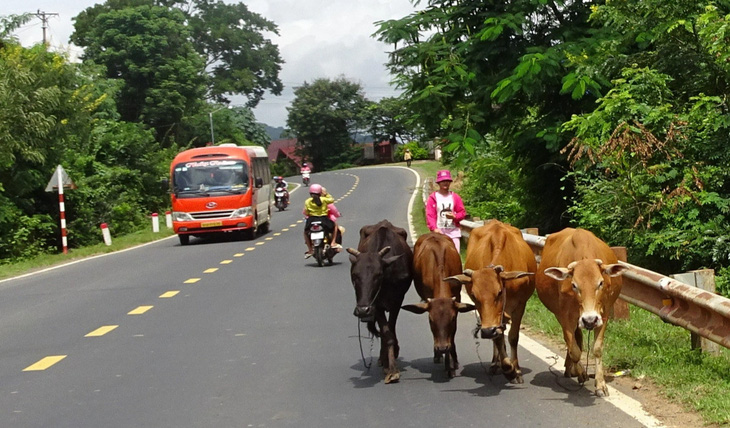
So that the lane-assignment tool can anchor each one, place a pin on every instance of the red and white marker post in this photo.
(155, 223)
(105, 233)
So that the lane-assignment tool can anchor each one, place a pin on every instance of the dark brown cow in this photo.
(499, 278)
(435, 258)
(579, 281)
(381, 284)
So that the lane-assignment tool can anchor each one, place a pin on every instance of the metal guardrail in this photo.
(701, 312)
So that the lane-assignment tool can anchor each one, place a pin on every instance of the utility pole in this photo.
(44, 18)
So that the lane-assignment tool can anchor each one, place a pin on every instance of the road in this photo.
(229, 333)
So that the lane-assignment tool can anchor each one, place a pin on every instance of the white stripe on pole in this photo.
(62, 209)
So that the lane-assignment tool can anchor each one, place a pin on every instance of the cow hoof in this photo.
(602, 392)
(438, 360)
(392, 378)
(451, 374)
(493, 368)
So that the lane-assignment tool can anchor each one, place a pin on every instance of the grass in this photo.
(48, 260)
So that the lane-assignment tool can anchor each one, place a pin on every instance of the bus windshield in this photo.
(208, 177)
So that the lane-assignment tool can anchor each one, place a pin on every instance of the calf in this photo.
(381, 284)
(579, 281)
(499, 279)
(435, 258)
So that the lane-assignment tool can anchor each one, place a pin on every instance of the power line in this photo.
(44, 18)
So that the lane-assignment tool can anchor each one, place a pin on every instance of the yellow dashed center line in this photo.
(225, 262)
(292, 225)
(250, 248)
(102, 331)
(277, 234)
(140, 310)
(284, 230)
(44, 363)
(238, 255)
(192, 281)
(169, 294)
(260, 243)
(269, 238)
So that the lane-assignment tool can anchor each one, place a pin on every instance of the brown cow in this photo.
(499, 279)
(576, 285)
(434, 258)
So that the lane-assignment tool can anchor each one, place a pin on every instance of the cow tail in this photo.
(373, 329)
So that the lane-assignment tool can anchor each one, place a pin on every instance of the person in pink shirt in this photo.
(445, 209)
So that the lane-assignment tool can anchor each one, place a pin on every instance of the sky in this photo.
(317, 39)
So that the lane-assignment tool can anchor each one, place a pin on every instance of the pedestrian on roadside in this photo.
(407, 157)
(445, 209)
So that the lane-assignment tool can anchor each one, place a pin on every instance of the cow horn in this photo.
(571, 266)
(499, 269)
(599, 261)
(353, 251)
(468, 272)
(384, 251)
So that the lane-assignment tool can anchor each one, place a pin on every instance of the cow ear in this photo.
(389, 260)
(614, 269)
(465, 307)
(458, 279)
(514, 274)
(558, 273)
(418, 308)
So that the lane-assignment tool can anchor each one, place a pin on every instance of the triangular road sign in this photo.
(65, 179)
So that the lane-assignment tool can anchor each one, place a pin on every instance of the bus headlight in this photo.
(242, 212)
(181, 216)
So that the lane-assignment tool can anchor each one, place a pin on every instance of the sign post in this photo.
(59, 180)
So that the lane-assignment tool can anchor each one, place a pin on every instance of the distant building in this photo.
(285, 152)
(381, 152)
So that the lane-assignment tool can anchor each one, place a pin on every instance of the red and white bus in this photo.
(225, 188)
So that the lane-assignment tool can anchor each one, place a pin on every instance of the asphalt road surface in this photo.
(232, 333)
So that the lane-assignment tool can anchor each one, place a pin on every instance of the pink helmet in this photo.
(315, 188)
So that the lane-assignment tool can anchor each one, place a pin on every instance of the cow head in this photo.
(442, 312)
(366, 273)
(590, 282)
(487, 288)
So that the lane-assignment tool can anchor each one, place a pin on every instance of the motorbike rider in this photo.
(282, 184)
(305, 168)
(316, 208)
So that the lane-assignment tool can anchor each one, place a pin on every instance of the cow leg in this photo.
(494, 366)
(514, 338)
(574, 341)
(601, 388)
(388, 344)
(500, 350)
(452, 361)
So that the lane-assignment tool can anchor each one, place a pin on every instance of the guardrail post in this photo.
(703, 279)
(620, 310)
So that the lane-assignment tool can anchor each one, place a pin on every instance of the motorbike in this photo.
(321, 243)
(280, 198)
(305, 178)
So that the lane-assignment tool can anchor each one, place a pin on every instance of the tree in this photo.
(389, 120)
(323, 116)
(494, 70)
(230, 39)
(238, 57)
(149, 49)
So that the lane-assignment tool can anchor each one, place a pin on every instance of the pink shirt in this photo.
(437, 205)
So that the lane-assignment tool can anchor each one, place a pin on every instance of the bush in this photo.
(417, 152)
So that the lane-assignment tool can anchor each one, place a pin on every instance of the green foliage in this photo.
(323, 115)
(418, 152)
(149, 49)
(492, 189)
